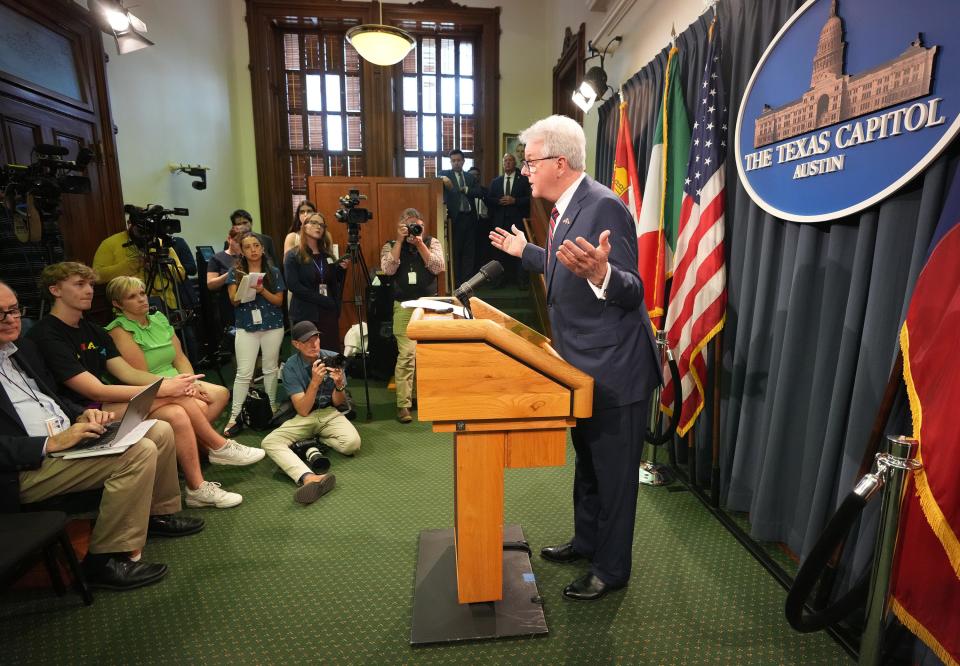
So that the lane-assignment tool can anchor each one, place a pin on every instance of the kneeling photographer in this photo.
(145, 250)
(414, 260)
(316, 382)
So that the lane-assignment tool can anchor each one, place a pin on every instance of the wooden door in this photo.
(386, 198)
(53, 91)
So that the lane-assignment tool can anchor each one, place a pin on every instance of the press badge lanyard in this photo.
(54, 423)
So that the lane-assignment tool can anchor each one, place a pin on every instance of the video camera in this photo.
(349, 213)
(152, 227)
(40, 184)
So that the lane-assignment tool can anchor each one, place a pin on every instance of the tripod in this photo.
(160, 268)
(360, 281)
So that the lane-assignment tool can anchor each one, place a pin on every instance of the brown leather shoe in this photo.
(403, 415)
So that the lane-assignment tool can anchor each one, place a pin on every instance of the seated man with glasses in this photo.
(141, 493)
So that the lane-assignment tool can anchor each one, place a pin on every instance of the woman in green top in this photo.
(148, 342)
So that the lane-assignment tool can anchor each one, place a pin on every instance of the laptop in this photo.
(112, 440)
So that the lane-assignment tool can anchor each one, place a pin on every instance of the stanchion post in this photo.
(896, 465)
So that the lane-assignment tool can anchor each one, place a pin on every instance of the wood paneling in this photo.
(536, 448)
(386, 198)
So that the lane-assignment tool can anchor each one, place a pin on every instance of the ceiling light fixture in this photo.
(381, 44)
(594, 85)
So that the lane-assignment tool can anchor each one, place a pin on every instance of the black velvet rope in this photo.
(814, 566)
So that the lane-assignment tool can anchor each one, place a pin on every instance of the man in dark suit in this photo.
(459, 191)
(600, 325)
(141, 492)
(508, 198)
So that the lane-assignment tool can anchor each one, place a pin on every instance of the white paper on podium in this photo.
(436, 306)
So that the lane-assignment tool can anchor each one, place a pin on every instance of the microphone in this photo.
(490, 271)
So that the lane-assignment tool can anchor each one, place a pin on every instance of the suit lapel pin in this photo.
(566, 220)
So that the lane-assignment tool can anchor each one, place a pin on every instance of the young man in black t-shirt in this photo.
(80, 353)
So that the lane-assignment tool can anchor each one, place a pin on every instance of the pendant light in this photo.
(380, 44)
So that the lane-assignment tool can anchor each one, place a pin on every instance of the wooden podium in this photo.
(509, 399)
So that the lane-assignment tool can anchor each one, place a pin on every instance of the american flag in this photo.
(698, 295)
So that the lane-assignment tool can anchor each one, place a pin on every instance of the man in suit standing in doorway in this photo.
(600, 325)
(460, 189)
(508, 198)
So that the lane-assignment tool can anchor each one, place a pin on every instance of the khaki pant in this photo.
(140, 482)
(332, 427)
(405, 371)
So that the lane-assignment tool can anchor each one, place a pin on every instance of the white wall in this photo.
(188, 99)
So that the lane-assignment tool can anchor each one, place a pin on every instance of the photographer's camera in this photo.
(313, 453)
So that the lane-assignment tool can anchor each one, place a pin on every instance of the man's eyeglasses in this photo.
(12, 312)
(531, 165)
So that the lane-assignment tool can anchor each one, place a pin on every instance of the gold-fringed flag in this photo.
(663, 192)
(926, 575)
(698, 294)
(625, 184)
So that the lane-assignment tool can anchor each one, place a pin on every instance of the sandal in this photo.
(232, 429)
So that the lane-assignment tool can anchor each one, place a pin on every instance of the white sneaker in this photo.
(235, 453)
(211, 494)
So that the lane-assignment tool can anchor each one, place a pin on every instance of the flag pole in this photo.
(715, 471)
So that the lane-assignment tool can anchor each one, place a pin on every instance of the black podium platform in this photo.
(439, 617)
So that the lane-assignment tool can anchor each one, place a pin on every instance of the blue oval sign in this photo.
(850, 101)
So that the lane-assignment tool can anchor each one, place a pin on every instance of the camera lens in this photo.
(415, 228)
(317, 462)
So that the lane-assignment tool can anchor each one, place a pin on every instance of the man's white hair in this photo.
(561, 136)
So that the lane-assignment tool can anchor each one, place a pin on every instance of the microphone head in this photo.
(493, 269)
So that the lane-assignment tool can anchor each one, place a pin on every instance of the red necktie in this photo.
(554, 214)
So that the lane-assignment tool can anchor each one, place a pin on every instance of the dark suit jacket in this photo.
(612, 339)
(19, 451)
(505, 216)
(452, 197)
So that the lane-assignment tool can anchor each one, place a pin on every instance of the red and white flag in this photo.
(698, 295)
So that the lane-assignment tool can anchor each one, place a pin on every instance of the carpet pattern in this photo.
(272, 582)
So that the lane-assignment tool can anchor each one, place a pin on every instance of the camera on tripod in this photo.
(40, 184)
(349, 213)
(312, 452)
(152, 227)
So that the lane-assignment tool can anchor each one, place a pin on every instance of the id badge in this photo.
(53, 426)
(257, 317)
(322, 289)
(411, 277)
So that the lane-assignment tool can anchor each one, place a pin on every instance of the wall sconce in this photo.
(197, 171)
(127, 29)
(594, 85)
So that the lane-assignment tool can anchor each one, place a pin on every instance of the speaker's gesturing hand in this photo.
(585, 260)
(512, 242)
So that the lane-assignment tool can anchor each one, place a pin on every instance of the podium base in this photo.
(438, 616)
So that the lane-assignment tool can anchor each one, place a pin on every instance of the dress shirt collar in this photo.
(564, 199)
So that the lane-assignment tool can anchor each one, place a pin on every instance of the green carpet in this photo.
(272, 582)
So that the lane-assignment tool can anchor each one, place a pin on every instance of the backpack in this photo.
(256, 412)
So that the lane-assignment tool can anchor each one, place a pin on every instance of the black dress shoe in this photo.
(117, 572)
(564, 553)
(172, 525)
(588, 588)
